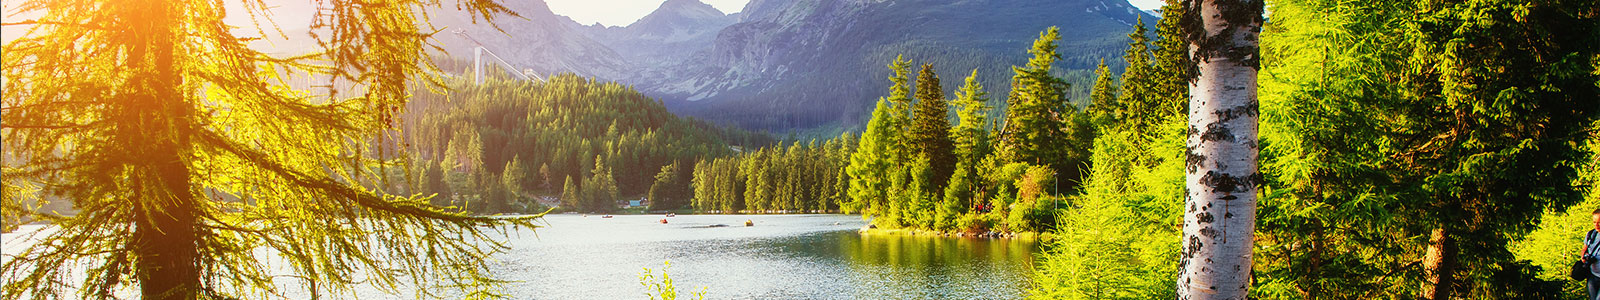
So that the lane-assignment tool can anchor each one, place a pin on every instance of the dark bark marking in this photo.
(1217, 132)
(1247, 13)
(1193, 160)
(1249, 109)
(1226, 183)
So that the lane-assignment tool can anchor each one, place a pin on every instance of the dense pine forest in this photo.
(501, 146)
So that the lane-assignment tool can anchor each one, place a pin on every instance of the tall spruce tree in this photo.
(900, 108)
(1039, 127)
(929, 134)
(599, 193)
(971, 139)
(870, 165)
(1138, 103)
(671, 189)
(1173, 65)
(1103, 106)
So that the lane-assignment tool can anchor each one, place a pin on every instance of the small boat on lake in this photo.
(605, 217)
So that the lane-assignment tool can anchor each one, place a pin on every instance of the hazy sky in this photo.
(1147, 4)
(624, 12)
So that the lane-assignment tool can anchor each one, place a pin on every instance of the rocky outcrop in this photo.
(659, 42)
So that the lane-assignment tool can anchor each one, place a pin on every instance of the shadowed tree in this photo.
(192, 161)
(929, 133)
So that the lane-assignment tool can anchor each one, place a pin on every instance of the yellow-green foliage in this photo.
(1119, 239)
(192, 162)
(16, 197)
(663, 289)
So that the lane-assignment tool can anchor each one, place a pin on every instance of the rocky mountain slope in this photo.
(797, 64)
(538, 40)
(672, 33)
(810, 63)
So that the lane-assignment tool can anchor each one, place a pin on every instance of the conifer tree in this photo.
(1504, 101)
(1487, 145)
(1173, 66)
(1039, 129)
(971, 141)
(599, 193)
(142, 110)
(663, 193)
(758, 182)
(900, 108)
(515, 181)
(929, 134)
(1103, 107)
(870, 165)
(570, 195)
(545, 179)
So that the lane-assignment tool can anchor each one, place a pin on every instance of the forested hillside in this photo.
(495, 147)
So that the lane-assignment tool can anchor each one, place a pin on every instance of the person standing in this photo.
(1591, 254)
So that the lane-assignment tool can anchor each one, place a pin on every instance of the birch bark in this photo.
(1221, 171)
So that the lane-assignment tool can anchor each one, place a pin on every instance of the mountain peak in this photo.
(687, 5)
(679, 11)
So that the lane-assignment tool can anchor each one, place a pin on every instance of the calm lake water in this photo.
(781, 257)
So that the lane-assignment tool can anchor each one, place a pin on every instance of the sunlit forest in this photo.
(1284, 149)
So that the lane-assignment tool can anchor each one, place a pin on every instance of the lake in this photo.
(781, 257)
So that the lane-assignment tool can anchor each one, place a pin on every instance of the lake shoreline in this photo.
(1028, 236)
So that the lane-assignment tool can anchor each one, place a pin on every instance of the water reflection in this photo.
(896, 266)
(808, 257)
(782, 257)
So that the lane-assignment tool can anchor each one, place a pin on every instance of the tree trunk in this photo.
(166, 244)
(1221, 174)
(155, 127)
(1309, 288)
(1439, 265)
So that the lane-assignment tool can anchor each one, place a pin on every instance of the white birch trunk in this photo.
(1221, 174)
